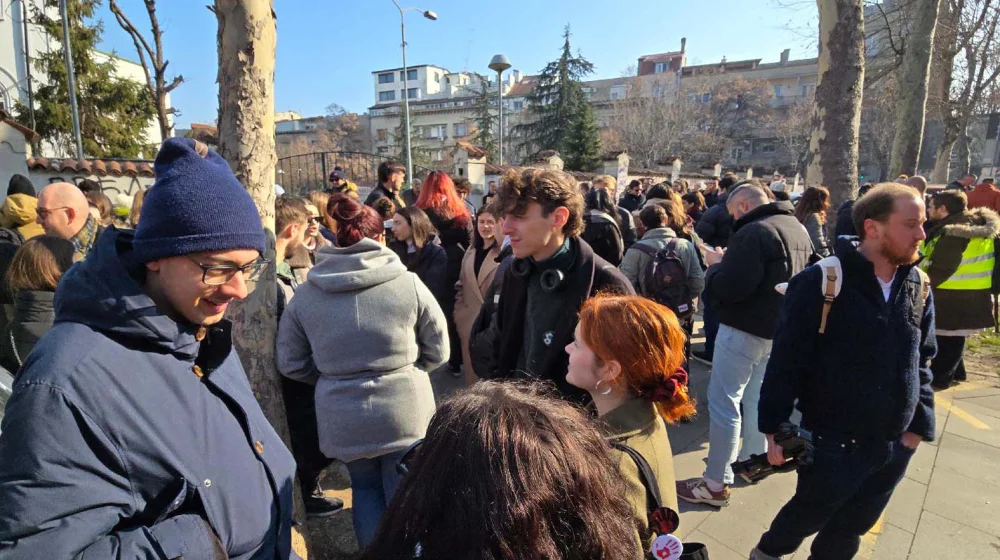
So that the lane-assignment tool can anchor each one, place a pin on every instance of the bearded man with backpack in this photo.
(852, 353)
(768, 246)
(663, 267)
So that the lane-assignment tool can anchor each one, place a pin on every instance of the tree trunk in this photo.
(161, 114)
(913, 89)
(942, 164)
(833, 146)
(964, 156)
(247, 37)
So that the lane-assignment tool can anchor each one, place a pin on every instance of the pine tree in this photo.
(485, 119)
(114, 112)
(556, 105)
(583, 144)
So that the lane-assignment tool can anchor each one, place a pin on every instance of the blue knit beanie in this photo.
(196, 204)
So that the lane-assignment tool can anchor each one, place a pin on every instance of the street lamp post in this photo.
(71, 79)
(406, 90)
(499, 64)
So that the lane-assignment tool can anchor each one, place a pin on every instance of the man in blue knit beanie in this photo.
(132, 430)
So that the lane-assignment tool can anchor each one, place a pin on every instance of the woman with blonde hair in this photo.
(627, 353)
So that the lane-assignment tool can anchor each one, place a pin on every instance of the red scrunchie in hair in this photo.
(668, 388)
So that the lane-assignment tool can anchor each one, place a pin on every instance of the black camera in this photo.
(796, 446)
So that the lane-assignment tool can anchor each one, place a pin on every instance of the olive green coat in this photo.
(637, 424)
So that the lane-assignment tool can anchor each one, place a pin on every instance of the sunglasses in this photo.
(315, 219)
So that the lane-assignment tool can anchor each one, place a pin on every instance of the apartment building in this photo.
(441, 107)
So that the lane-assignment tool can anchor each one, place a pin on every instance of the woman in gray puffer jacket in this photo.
(366, 332)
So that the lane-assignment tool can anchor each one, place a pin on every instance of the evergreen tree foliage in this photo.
(558, 110)
(485, 119)
(114, 111)
(583, 144)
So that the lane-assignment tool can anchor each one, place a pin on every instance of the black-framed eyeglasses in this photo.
(403, 466)
(220, 274)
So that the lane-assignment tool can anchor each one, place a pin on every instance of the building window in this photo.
(438, 132)
(706, 97)
(618, 92)
(437, 78)
(661, 67)
(386, 78)
(437, 155)
(411, 74)
(382, 134)
(461, 129)
(518, 105)
(383, 149)
(777, 91)
(804, 91)
(386, 96)
(736, 153)
(414, 93)
(766, 146)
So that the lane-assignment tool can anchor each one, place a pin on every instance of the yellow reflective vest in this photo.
(975, 272)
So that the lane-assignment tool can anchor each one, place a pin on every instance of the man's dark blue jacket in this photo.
(130, 435)
(868, 376)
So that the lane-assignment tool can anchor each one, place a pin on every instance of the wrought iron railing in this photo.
(301, 174)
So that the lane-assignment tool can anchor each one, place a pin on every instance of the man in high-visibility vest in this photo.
(959, 256)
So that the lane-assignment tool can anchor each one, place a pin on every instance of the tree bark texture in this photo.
(247, 36)
(833, 145)
(912, 105)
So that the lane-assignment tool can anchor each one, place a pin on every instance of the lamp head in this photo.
(499, 63)
(430, 15)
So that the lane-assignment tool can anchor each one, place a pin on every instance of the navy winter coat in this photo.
(868, 376)
(130, 435)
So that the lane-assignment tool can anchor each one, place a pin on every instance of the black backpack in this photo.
(665, 281)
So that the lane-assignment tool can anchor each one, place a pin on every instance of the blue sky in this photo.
(328, 49)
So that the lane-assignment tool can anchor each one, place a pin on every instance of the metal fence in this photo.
(305, 173)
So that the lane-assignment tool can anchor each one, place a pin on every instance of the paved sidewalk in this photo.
(948, 506)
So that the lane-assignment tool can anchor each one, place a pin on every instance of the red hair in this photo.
(439, 195)
(646, 339)
(354, 220)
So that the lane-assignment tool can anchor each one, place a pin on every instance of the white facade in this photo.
(14, 70)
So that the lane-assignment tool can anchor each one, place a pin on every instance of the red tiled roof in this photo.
(475, 152)
(99, 167)
(523, 87)
(29, 135)
(661, 57)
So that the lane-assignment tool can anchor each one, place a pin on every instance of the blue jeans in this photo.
(711, 326)
(373, 482)
(737, 373)
(841, 495)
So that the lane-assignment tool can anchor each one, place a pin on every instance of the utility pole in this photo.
(71, 78)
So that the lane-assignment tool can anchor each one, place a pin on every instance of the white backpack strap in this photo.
(833, 274)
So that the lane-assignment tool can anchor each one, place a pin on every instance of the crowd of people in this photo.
(567, 311)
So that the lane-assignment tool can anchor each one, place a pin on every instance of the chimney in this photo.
(684, 44)
(784, 56)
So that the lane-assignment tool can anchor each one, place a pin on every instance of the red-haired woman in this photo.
(627, 353)
(450, 217)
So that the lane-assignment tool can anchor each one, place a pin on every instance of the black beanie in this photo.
(19, 184)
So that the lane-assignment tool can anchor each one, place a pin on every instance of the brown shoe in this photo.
(696, 491)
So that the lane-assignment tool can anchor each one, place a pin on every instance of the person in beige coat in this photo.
(479, 265)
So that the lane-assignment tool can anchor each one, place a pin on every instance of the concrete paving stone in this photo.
(922, 463)
(892, 544)
(988, 406)
(961, 427)
(940, 419)
(717, 550)
(735, 531)
(964, 499)
(939, 538)
(692, 516)
(683, 435)
(905, 505)
(970, 458)
(973, 391)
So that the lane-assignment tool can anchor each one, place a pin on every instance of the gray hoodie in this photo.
(366, 332)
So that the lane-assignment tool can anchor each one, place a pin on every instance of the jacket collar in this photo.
(781, 207)
(634, 416)
(659, 233)
(977, 223)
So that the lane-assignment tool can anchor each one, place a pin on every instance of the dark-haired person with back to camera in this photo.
(365, 332)
(554, 271)
(563, 500)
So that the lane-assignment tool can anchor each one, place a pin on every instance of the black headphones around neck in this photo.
(552, 279)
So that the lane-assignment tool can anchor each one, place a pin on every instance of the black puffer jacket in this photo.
(33, 317)
(768, 247)
(430, 264)
(715, 225)
(455, 235)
